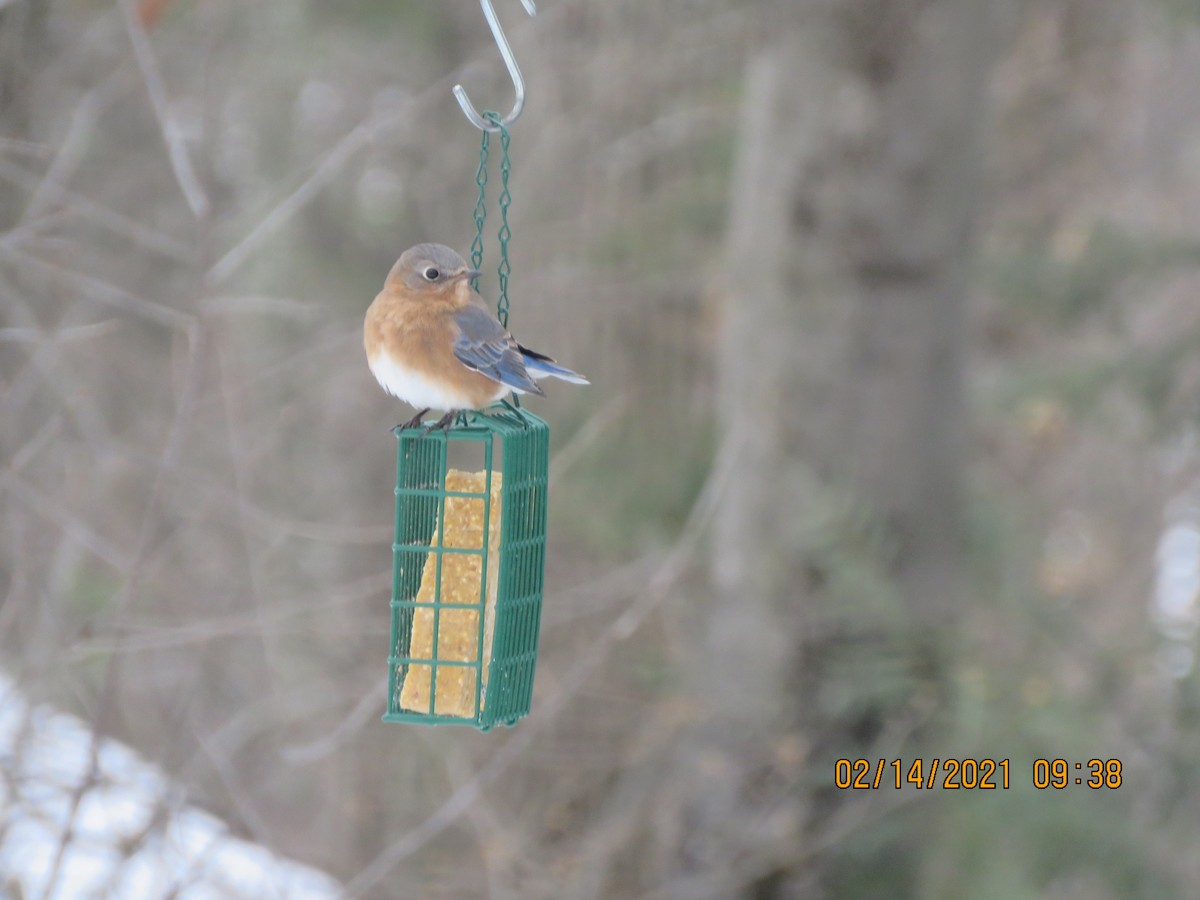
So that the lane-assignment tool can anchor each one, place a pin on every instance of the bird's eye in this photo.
(431, 274)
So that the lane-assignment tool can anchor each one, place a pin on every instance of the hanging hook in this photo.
(514, 72)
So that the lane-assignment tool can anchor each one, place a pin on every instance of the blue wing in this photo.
(484, 346)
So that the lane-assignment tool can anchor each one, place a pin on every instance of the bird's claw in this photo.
(443, 423)
(414, 422)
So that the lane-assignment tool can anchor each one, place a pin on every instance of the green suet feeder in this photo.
(468, 565)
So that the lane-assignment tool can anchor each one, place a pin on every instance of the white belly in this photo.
(418, 390)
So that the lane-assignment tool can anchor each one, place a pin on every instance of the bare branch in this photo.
(107, 293)
(70, 152)
(72, 525)
(592, 429)
(363, 712)
(172, 134)
(89, 210)
(237, 255)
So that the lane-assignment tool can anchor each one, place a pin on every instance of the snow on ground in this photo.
(134, 836)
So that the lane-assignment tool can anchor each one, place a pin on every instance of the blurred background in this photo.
(891, 310)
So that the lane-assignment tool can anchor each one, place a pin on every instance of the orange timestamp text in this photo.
(950, 774)
(1097, 774)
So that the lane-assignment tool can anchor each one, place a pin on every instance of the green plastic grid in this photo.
(521, 440)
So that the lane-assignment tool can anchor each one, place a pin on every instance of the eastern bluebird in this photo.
(432, 342)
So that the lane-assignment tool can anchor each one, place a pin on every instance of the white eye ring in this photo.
(431, 274)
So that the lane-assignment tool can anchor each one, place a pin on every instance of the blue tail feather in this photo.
(539, 366)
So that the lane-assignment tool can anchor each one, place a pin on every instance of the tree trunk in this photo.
(914, 195)
(856, 190)
(750, 553)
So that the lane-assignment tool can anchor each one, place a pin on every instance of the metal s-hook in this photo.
(513, 71)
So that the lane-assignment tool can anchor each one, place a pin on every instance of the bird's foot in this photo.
(414, 422)
(443, 423)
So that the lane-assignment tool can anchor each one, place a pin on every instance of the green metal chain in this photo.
(480, 213)
(505, 233)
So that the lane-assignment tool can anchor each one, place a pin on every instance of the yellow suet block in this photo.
(458, 638)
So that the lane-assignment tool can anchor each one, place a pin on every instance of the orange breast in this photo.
(415, 338)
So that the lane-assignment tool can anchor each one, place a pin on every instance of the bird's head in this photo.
(430, 270)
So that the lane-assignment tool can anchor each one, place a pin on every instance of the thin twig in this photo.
(71, 149)
(71, 524)
(364, 711)
(109, 294)
(172, 134)
(139, 640)
(88, 209)
(69, 334)
(307, 190)
(587, 435)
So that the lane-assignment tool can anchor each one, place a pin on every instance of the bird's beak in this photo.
(470, 273)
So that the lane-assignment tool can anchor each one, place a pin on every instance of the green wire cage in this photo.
(468, 565)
